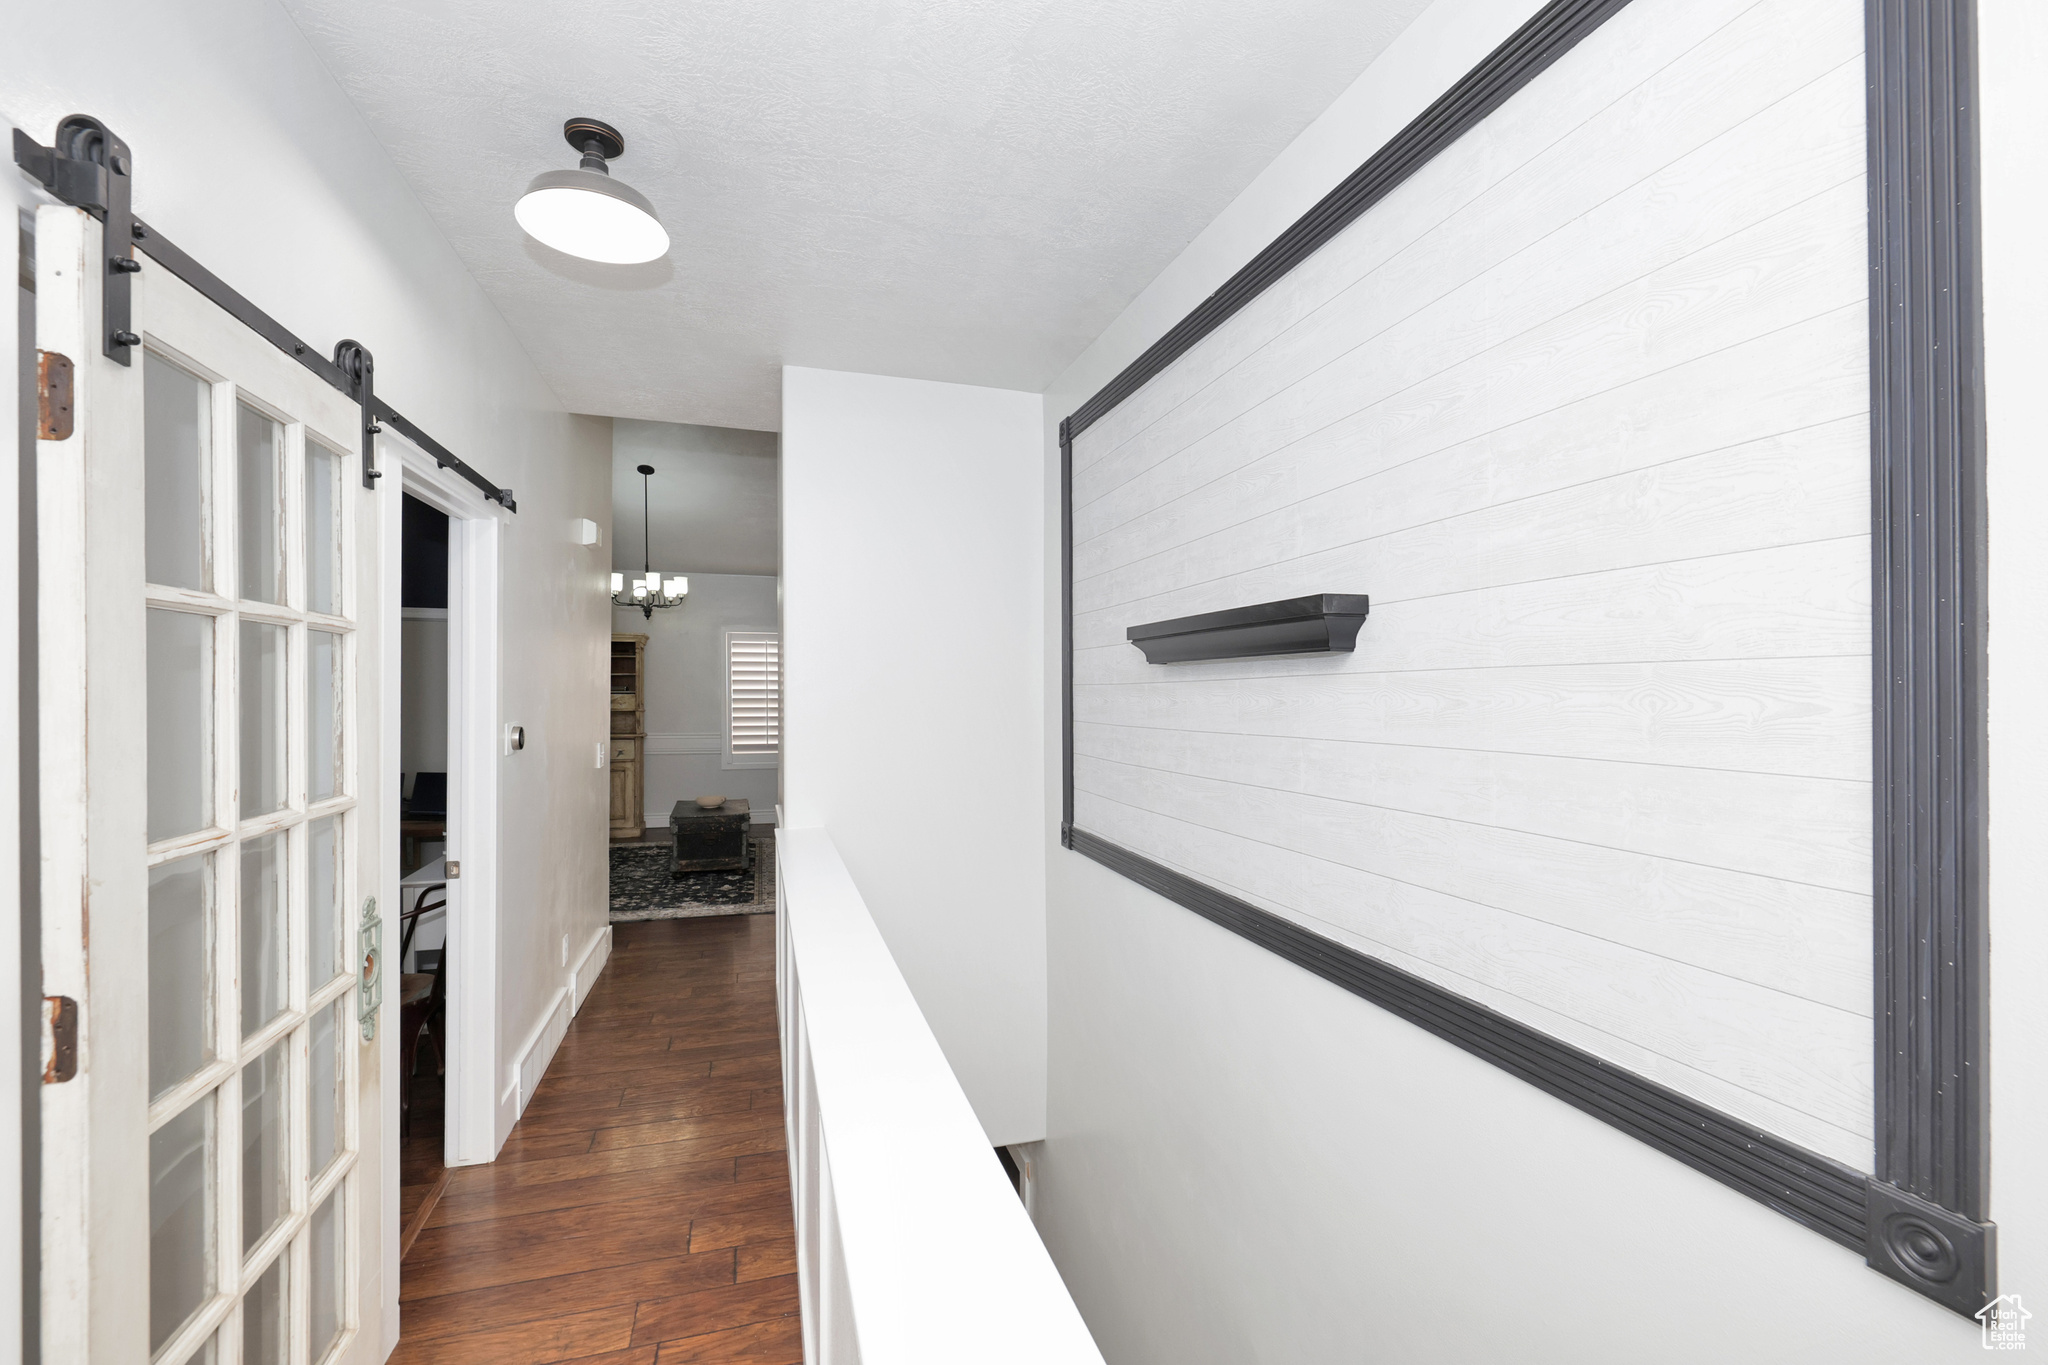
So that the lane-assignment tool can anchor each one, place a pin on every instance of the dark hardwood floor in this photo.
(639, 1214)
(422, 1179)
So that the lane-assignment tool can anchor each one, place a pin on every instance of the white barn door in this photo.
(210, 826)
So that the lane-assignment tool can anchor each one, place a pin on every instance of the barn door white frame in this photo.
(476, 1113)
(207, 802)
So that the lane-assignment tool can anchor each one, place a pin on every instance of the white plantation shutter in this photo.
(753, 691)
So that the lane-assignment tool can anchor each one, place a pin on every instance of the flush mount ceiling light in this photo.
(585, 212)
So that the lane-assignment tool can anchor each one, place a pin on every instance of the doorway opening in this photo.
(695, 670)
(439, 727)
(423, 710)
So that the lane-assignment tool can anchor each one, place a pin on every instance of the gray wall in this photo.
(1245, 1163)
(423, 691)
(686, 691)
(712, 498)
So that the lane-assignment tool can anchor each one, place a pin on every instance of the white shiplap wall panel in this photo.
(1752, 928)
(1571, 127)
(1583, 405)
(1793, 828)
(1780, 272)
(1801, 142)
(1789, 489)
(1787, 716)
(1811, 372)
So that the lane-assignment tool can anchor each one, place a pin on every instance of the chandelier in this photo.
(650, 589)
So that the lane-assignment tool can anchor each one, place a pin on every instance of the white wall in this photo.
(912, 545)
(309, 219)
(686, 692)
(1246, 1163)
(2013, 38)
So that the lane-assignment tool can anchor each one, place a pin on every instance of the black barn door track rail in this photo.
(89, 168)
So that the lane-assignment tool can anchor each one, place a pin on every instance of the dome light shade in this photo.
(585, 212)
(591, 215)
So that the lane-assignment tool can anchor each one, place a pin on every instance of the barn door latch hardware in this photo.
(89, 168)
(369, 968)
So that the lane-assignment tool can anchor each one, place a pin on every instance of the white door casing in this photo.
(478, 1112)
(208, 768)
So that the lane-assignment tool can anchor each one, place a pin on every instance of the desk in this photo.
(413, 833)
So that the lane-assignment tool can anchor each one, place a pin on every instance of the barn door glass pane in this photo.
(259, 455)
(180, 970)
(266, 1195)
(326, 1273)
(323, 530)
(181, 1213)
(176, 454)
(264, 1339)
(263, 960)
(179, 664)
(323, 714)
(323, 910)
(329, 1036)
(262, 681)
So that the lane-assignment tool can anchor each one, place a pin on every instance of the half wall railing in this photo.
(912, 1249)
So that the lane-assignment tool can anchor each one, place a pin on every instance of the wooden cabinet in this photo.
(628, 743)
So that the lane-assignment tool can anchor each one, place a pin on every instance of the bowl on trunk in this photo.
(710, 802)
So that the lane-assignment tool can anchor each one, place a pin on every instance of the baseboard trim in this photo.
(539, 1050)
(589, 967)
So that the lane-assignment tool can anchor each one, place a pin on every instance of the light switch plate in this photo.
(587, 532)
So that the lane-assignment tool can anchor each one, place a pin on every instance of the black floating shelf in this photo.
(1326, 623)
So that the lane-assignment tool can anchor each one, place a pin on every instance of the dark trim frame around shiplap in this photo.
(1920, 1218)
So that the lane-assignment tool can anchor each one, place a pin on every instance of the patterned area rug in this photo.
(644, 888)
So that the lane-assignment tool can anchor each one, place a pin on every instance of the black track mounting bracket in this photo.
(88, 167)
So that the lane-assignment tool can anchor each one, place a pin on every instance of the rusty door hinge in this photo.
(60, 1039)
(53, 396)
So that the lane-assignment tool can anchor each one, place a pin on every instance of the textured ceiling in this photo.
(963, 190)
(713, 502)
